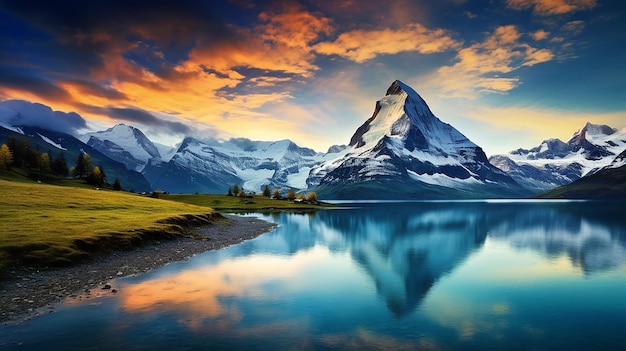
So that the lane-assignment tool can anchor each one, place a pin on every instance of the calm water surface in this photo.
(428, 276)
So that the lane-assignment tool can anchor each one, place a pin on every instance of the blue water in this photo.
(485, 275)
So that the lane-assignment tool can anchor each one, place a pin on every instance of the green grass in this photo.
(234, 203)
(52, 225)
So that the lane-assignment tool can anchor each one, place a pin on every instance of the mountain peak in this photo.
(404, 142)
(591, 131)
(402, 113)
(396, 88)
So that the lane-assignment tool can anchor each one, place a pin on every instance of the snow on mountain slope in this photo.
(404, 143)
(12, 128)
(554, 163)
(214, 165)
(125, 144)
(49, 141)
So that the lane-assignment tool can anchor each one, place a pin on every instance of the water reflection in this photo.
(403, 250)
(406, 249)
(434, 275)
(591, 234)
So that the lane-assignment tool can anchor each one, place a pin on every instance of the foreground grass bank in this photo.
(47, 225)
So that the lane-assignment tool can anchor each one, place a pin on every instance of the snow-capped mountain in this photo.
(213, 166)
(555, 163)
(125, 144)
(55, 142)
(404, 151)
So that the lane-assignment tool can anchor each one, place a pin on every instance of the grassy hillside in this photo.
(45, 225)
(606, 184)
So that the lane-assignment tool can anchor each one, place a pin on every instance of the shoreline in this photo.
(30, 292)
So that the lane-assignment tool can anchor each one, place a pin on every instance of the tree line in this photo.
(19, 153)
(236, 190)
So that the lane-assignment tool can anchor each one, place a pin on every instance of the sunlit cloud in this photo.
(363, 45)
(552, 7)
(482, 67)
(540, 35)
(279, 42)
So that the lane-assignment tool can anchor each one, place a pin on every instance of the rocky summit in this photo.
(404, 151)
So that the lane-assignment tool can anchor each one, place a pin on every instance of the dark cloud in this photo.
(147, 119)
(85, 42)
(93, 88)
(95, 27)
(12, 78)
(20, 112)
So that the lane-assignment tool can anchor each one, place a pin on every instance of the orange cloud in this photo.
(198, 294)
(552, 7)
(540, 35)
(279, 42)
(362, 45)
(479, 67)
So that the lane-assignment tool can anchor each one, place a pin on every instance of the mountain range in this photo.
(403, 151)
(556, 163)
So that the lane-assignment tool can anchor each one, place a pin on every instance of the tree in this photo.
(59, 166)
(83, 165)
(96, 177)
(104, 175)
(79, 170)
(276, 194)
(44, 162)
(291, 195)
(6, 157)
(266, 191)
(312, 196)
(241, 193)
(117, 185)
(230, 191)
(235, 189)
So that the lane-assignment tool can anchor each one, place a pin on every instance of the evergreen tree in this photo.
(236, 189)
(96, 177)
(16, 150)
(6, 157)
(83, 165)
(117, 185)
(104, 175)
(230, 191)
(88, 166)
(59, 166)
(266, 191)
(276, 194)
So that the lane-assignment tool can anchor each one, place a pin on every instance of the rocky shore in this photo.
(31, 292)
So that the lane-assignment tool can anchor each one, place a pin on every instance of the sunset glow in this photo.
(311, 71)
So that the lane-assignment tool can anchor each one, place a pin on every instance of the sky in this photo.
(507, 74)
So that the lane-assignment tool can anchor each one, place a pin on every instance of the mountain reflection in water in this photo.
(486, 275)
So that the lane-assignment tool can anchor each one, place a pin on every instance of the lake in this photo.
(468, 275)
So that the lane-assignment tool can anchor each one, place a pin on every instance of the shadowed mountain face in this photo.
(404, 151)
